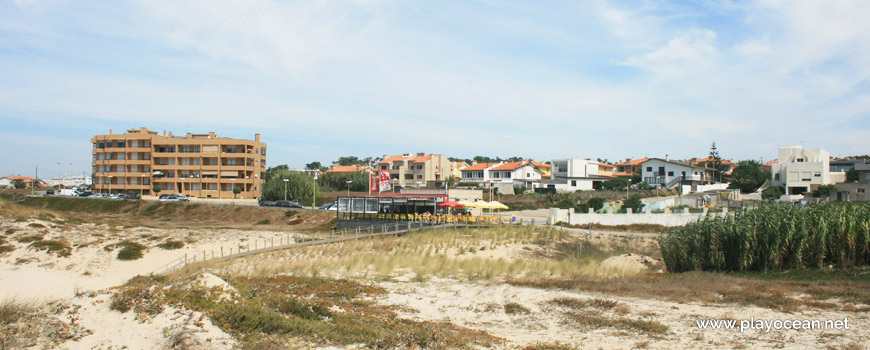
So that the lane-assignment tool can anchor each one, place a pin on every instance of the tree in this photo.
(636, 178)
(349, 160)
(313, 166)
(596, 203)
(451, 181)
(748, 176)
(715, 161)
(19, 184)
(772, 193)
(274, 169)
(236, 190)
(824, 190)
(338, 181)
(634, 203)
(156, 189)
(615, 184)
(852, 175)
(299, 186)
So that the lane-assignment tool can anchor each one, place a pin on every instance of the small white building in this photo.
(523, 173)
(803, 170)
(70, 181)
(666, 173)
(569, 175)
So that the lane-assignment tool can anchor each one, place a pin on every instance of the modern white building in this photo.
(667, 173)
(569, 175)
(70, 181)
(478, 173)
(803, 170)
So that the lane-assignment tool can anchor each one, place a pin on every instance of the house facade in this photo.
(522, 173)
(856, 191)
(348, 169)
(666, 173)
(419, 169)
(477, 173)
(628, 167)
(569, 175)
(803, 170)
(196, 165)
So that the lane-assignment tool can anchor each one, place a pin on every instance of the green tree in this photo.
(313, 166)
(748, 176)
(272, 170)
(338, 181)
(19, 184)
(636, 178)
(852, 175)
(236, 191)
(596, 203)
(299, 186)
(824, 190)
(451, 182)
(634, 203)
(615, 184)
(772, 193)
(715, 161)
(156, 189)
(349, 160)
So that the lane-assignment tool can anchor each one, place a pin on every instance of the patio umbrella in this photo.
(497, 205)
(468, 204)
(451, 204)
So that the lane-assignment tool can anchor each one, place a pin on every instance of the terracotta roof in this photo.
(632, 162)
(510, 166)
(25, 178)
(392, 159)
(541, 164)
(347, 168)
(772, 162)
(479, 166)
(708, 159)
(419, 159)
(602, 165)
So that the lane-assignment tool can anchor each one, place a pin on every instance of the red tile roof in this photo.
(25, 178)
(708, 159)
(392, 159)
(419, 159)
(479, 166)
(632, 162)
(541, 165)
(347, 168)
(509, 166)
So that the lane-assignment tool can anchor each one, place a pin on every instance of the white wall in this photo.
(815, 167)
(704, 188)
(669, 220)
(669, 167)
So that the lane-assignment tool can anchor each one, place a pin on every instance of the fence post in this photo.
(222, 251)
(203, 255)
(255, 244)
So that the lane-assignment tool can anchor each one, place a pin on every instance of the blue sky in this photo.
(539, 79)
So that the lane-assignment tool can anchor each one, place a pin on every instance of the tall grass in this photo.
(773, 236)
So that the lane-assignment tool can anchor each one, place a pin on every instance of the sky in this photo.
(538, 79)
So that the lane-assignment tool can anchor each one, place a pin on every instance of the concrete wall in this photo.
(704, 188)
(670, 220)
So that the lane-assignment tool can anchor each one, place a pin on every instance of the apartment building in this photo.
(196, 165)
(803, 170)
(419, 169)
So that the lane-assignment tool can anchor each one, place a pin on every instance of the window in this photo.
(860, 190)
(263, 151)
(799, 160)
(776, 177)
(120, 144)
(507, 175)
(649, 169)
(419, 177)
(496, 175)
(817, 175)
(231, 149)
(419, 166)
(574, 183)
(409, 177)
(231, 162)
(670, 173)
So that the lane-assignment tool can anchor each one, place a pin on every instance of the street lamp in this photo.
(285, 188)
(314, 195)
(142, 188)
(348, 187)
(110, 184)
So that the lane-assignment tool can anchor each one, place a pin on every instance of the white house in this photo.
(803, 170)
(668, 173)
(569, 175)
(477, 173)
(524, 173)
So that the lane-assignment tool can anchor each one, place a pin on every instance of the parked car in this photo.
(289, 204)
(269, 204)
(129, 196)
(328, 206)
(174, 198)
(49, 192)
(85, 194)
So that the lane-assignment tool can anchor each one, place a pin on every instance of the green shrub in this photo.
(171, 244)
(131, 250)
(29, 239)
(59, 247)
(514, 309)
(263, 222)
(772, 193)
(596, 203)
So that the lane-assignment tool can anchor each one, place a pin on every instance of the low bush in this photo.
(515, 309)
(171, 244)
(60, 247)
(131, 250)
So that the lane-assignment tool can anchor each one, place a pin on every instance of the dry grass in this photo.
(473, 254)
(718, 288)
(164, 215)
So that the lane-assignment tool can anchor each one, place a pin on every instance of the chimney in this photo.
(667, 158)
(164, 133)
(257, 137)
(473, 162)
(110, 131)
(211, 135)
(188, 135)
